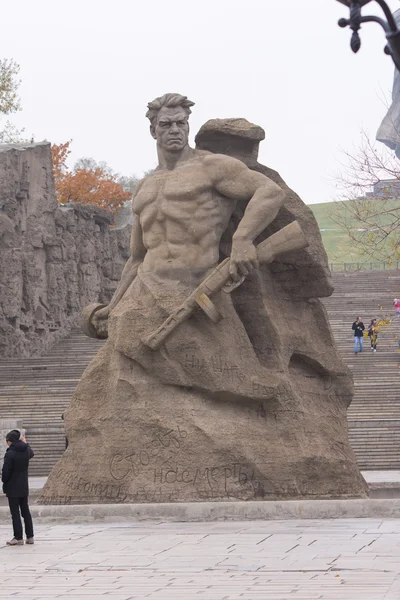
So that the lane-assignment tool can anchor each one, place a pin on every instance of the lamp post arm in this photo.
(374, 19)
(388, 14)
(389, 26)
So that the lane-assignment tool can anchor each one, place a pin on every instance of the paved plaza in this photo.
(357, 559)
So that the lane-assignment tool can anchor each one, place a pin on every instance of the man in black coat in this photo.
(358, 328)
(15, 485)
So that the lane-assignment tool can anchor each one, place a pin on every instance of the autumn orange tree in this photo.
(88, 183)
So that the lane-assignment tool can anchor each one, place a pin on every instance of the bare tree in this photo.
(9, 99)
(129, 182)
(9, 84)
(369, 206)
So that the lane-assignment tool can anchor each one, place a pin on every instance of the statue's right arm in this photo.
(138, 252)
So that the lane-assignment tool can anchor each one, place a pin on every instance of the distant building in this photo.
(387, 188)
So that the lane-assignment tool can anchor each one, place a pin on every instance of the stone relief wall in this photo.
(54, 260)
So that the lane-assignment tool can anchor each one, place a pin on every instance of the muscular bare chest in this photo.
(184, 185)
(180, 203)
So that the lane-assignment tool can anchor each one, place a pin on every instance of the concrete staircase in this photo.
(38, 390)
(374, 415)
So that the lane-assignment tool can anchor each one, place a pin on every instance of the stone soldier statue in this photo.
(208, 389)
(183, 208)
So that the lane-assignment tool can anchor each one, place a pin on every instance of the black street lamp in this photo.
(390, 27)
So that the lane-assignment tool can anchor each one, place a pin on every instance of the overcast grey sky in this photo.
(89, 67)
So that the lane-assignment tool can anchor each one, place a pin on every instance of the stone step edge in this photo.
(215, 511)
(356, 422)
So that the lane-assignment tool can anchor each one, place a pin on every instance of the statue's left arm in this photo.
(233, 179)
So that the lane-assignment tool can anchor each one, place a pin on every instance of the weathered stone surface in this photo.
(53, 260)
(251, 407)
(303, 274)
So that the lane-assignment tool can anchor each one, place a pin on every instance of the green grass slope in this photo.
(338, 245)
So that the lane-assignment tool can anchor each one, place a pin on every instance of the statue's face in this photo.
(172, 129)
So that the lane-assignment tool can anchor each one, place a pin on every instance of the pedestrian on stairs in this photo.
(358, 328)
(373, 334)
(396, 304)
(15, 485)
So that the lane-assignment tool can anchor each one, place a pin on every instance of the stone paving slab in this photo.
(342, 559)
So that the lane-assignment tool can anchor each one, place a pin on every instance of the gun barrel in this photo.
(287, 239)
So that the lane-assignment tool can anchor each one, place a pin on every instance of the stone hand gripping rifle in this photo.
(287, 239)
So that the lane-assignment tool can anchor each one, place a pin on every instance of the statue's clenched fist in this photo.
(243, 258)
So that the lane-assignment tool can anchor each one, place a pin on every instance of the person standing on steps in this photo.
(358, 328)
(373, 334)
(396, 304)
(15, 485)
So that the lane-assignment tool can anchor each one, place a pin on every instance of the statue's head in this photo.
(169, 121)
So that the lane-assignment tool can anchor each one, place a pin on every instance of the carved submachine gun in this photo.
(287, 239)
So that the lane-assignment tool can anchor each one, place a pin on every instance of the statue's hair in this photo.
(169, 100)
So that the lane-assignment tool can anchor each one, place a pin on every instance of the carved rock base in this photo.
(132, 439)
